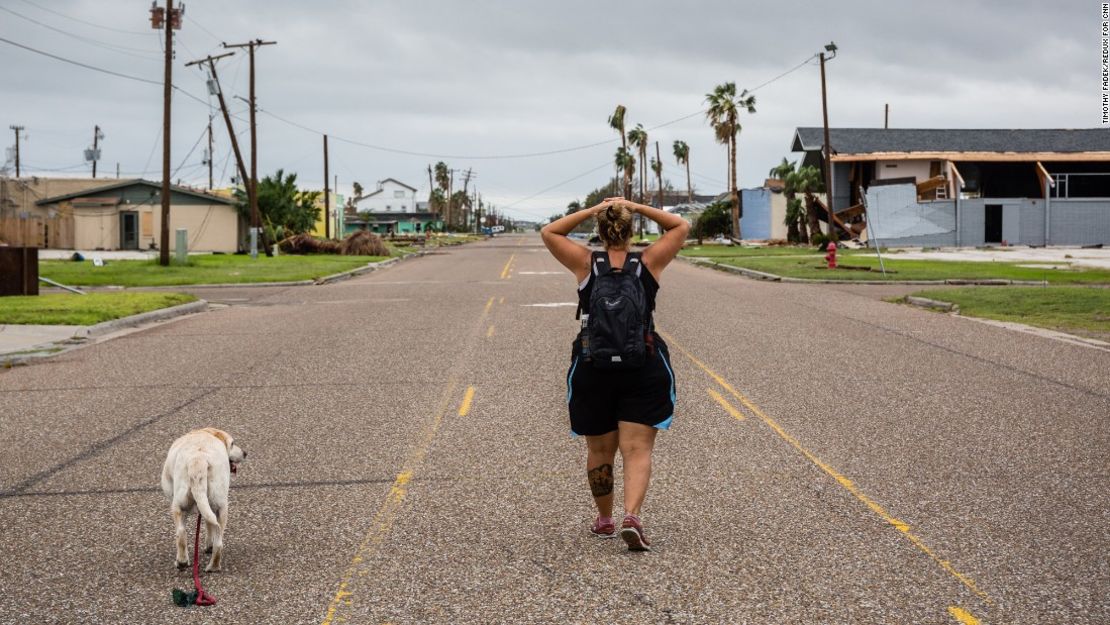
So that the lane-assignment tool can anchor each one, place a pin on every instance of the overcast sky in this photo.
(493, 78)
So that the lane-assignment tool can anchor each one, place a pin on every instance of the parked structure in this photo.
(126, 215)
(958, 187)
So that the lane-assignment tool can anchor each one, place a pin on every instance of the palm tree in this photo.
(723, 115)
(443, 184)
(638, 137)
(808, 180)
(682, 156)
(616, 122)
(626, 164)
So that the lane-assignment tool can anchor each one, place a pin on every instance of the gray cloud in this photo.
(499, 77)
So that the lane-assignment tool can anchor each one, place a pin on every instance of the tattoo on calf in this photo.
(601, 480)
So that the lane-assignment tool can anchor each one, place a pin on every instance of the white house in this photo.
(392, 196)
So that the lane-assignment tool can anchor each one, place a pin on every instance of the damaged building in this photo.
(957, 187)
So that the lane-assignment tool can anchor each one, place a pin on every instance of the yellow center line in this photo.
(489, 332)
(489, 304)
(387, 513)
(724, 403)
(963, 616)
(464, 409)
(841, 479)
(505, 271)
(502, 300)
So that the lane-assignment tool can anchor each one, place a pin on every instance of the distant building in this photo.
(392, 209)
(127, 215)
(957, 187)
(392, 196)
(336, 214)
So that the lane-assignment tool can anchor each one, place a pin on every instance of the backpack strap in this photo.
(634, 263)
(599, 265)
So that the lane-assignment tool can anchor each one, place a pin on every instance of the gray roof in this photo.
(122, 184)
(868, 140)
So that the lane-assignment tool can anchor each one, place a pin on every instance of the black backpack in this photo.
(619, 318)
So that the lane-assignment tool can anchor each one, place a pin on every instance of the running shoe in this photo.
(632, 532)
(604, 528)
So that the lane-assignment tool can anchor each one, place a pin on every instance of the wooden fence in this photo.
(47, 232)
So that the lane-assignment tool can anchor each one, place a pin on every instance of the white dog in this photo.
(196, 476)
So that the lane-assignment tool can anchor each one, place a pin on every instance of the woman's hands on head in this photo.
(615, 201)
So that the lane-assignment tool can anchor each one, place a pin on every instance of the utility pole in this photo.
(467, 175)
(170, 19)
(831, 47)
(256, 219)
(210, 153)
(17, 129)
(96, 148)
(214, 86)
(327, 198)
(450, 191)
(886, 116)
(659, 175)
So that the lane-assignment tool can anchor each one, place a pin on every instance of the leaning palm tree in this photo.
(682, 156)
(723, 115)
(616, 122)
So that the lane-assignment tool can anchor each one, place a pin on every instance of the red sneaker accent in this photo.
(603, 529)
(632, 532)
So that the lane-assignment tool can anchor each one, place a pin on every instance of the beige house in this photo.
(127, 215)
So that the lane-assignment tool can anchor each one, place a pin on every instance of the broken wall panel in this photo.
(895, 217)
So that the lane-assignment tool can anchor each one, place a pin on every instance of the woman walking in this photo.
(620, 391)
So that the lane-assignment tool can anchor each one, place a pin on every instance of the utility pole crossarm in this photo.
(252, 182)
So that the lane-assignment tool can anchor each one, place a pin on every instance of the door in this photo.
(128, 231)
(992, 228)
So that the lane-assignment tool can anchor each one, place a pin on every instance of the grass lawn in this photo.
(83, 310)
(726, 251)
(1077, 310)
(914, 269)
(201, 269)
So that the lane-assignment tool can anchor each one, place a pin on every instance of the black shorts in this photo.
(599, 398)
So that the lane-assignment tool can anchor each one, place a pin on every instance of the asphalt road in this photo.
(834, 459)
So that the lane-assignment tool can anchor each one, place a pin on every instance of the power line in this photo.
(201, 26)
(107, 71)
(557, 185)
(80, 64)
(87, 23)
(89, 40)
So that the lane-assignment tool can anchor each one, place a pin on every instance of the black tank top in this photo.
(651, 287)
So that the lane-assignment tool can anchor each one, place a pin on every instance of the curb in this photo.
(770, 277)
(358, 271)
(932, 304)
(161, 314)
(82, 335)
(246, 285)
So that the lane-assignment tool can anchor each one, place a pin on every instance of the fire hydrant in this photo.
(830, 258)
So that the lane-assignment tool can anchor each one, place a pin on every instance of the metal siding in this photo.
(756, 222)
(972, 224)
(1080, 222)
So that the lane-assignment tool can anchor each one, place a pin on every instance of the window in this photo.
(399, 193)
